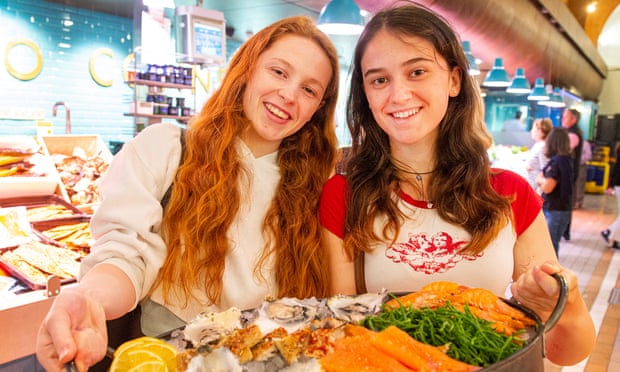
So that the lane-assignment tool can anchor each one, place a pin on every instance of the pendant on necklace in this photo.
(419, 177)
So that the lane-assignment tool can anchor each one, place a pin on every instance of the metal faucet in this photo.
(67, 115)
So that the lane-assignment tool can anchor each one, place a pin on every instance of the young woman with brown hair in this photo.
(419, 202)
(241, 222)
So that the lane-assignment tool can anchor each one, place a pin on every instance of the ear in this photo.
(455, 82)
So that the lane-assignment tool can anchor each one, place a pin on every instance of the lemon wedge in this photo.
(144, 354)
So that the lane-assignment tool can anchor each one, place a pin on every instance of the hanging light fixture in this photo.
(471, 60)
(519, 84)
(538, 93)
(341, 17)
(555, 99)
(497, 77)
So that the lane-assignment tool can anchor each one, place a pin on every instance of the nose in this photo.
(288, 92)
(401, 91)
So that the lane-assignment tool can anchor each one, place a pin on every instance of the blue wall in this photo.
(65, 74)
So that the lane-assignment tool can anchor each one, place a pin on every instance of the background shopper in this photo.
(241, 222)
(556, 184)
(570, 120)
(612, 233)
(419, 202)
(536, 158)
(515, 124)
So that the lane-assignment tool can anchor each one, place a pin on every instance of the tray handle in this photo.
(560, 305)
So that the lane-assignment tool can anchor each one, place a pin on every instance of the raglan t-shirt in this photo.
(427, 248)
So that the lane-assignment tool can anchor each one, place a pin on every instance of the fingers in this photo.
(55, 345)
(545, 281)
(92, 338)
(46, 352)
(73, 330)
(539, 291)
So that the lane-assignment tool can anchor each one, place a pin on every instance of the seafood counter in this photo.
(443, 327)
(48, 190)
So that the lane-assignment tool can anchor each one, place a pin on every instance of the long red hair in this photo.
(205, 197)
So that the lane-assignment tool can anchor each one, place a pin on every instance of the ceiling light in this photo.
(538, 93)
(471, 60)
(497, 77)
(341, 17)
(159, 3)
(555, 99)
(519, 84)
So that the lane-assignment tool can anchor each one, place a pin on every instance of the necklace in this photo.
(420, 179)
(418, 175)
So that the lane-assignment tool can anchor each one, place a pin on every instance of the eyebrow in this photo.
(311, 79)
(406, 63)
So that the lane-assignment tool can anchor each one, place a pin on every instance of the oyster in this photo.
(288, 312)
(208, 327)
(355, 308)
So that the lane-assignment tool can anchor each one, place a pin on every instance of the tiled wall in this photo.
(66, 51)
(65, 72)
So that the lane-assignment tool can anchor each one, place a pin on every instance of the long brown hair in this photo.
(205, 198)
(557, 143)
(460, 186)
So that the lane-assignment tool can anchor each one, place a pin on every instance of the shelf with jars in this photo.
(162, 91)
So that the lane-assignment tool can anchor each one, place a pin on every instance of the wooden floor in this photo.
(598, 269)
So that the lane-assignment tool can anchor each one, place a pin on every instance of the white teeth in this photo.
(405, 114)
(276, 111)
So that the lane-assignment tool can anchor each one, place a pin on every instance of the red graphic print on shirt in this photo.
(432, 254)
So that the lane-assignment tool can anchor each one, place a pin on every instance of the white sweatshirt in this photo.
(127, 227)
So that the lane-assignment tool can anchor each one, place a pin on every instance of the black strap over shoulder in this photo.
(360, 273)
(166, 198)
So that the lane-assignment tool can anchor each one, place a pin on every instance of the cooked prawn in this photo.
(482, 303)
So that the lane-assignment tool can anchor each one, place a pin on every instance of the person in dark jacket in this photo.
(570, 121)
(556, 184)
(612, 233)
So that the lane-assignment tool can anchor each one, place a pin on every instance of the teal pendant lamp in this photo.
(539, 93)
(471, 60)
(519, 84)
(341, 17)
(497, 77)
(555, 99)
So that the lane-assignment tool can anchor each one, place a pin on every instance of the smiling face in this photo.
(285, 90)
(408, 86)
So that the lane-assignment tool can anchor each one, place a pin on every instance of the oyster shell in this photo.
(208, 327)
(355, 308)
(288, 312)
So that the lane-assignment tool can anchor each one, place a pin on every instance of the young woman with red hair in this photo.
(241, 222)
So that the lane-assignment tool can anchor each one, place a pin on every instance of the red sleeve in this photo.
(332, 207)
(525, 207)
(527, 203)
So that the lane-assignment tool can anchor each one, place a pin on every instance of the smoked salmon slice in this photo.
(417, 355)
(356, 354)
